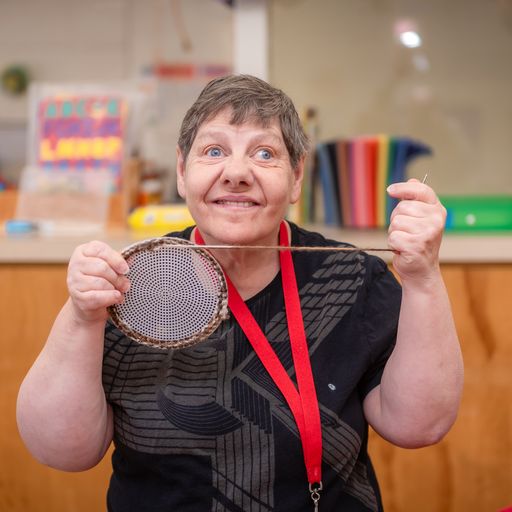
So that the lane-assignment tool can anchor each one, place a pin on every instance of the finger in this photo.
(432, 224)
(412, 208)
(404, 243)
(413, 190)
(413, 225)
(85, 284)
(91, 283)
(98, 299)
(81, 284)
(99, 268)
(105, 252)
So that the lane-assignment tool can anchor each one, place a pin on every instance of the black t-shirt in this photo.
(205, 428)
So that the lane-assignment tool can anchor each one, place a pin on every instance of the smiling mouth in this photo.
(238, 204)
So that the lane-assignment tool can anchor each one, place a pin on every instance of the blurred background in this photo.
(437, 71)
(99, 88)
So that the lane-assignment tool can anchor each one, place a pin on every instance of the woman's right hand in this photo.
(96, 279)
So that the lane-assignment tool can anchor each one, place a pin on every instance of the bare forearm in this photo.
(422, 383)
(62, 413)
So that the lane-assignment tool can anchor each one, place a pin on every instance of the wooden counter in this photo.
(470, 470)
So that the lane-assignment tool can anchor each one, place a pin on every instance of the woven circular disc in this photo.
(177, 297)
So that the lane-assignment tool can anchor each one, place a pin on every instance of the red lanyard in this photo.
(303, 402)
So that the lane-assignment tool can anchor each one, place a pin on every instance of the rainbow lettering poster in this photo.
(81, 132)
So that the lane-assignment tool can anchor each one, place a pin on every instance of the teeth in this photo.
(242, 204)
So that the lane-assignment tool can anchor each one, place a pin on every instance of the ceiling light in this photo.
(410, 39)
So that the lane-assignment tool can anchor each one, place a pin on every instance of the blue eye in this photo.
(265, 154)
(215, 152)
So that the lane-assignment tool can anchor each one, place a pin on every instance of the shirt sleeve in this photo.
(381, 310)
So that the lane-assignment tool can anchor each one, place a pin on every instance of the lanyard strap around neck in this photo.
(302, 402)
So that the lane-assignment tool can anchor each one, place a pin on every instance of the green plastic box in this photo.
(478, 213)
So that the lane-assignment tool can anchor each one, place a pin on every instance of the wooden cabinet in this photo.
(471, 469)
(30, 297)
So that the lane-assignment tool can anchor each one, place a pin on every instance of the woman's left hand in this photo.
(416, 229)
(418, 398)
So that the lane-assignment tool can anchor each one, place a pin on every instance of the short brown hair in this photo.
(247, 97)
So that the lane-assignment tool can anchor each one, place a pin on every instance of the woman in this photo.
(227, 425)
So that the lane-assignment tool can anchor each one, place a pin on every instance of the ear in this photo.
(298, 176)
(180, 172)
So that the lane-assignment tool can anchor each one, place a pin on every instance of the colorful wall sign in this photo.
(82, 132)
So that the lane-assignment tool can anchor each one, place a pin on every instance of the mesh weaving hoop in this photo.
(177, 297)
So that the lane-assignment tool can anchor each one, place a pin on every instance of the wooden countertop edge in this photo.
(456, 248)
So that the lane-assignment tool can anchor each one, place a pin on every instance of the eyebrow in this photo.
(263, 136)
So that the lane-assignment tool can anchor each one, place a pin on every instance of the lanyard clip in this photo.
(314, 490)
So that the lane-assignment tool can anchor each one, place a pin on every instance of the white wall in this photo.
(112, 41)
(336, 55)
(74, 40)
(341, 57)
(61, 40)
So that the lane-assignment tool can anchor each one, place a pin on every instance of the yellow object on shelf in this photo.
(160, 219)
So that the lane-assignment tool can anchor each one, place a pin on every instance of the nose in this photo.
(237, 171)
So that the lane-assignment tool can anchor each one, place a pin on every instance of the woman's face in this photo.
(238, 181)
